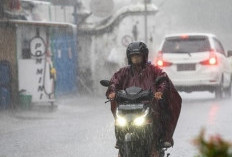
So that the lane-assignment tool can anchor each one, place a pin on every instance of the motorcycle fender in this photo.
(128, 137)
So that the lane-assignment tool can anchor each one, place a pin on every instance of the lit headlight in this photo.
(139, 121)
(121, 121)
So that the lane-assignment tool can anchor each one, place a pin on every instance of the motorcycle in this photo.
(134, 124)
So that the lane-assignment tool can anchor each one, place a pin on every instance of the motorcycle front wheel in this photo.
(129, 149)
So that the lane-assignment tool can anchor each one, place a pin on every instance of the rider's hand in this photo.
(158, 95)
(111, 96)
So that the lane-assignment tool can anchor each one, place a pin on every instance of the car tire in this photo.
(219, 91)
(227, 91)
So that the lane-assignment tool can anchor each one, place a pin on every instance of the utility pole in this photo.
(75, 13)
(145, 20)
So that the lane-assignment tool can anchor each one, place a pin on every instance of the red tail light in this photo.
(184, 36)
(167, 64)
(162, 63)
(212, 59)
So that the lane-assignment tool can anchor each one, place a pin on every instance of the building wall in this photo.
(47, 12)
(105, 53)
(8, 52)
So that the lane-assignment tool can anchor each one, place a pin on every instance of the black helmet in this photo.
(137, 47)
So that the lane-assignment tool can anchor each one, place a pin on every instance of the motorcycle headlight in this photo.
(121, 121)
(139, 121)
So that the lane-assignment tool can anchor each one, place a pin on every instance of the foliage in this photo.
(215, 146)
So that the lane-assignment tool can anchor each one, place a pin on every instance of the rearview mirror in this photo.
(105, 83)
(229, 53)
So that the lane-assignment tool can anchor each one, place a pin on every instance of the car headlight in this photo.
(139, 121)
(121, 121)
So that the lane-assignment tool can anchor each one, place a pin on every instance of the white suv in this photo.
(196, 62)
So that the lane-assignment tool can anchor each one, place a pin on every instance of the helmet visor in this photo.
(135, 53)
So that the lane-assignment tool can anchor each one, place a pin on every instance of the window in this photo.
(26, 54)
(177, 45)
(218, 46)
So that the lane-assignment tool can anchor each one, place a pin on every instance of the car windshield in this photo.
(186, 45)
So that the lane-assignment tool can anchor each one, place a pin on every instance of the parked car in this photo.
(196, 62)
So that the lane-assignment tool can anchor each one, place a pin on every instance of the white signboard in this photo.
(126, 40)
(37, 46)
(34, 73)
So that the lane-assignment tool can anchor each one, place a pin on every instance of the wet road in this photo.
(83, 127)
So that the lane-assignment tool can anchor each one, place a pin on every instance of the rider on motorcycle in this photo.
(140, 73)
